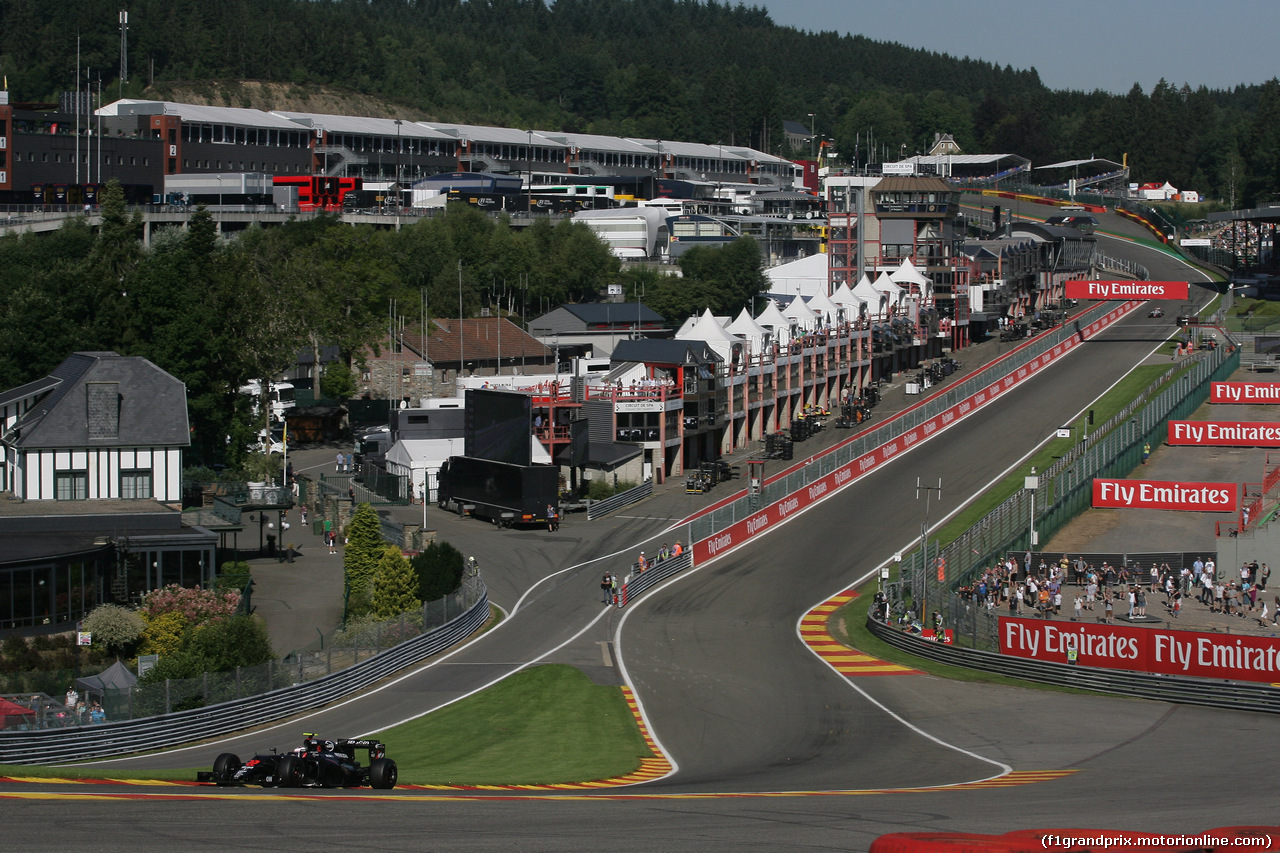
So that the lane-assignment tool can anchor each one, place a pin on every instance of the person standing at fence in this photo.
(641, 564)
(606, 587)
(614, 586)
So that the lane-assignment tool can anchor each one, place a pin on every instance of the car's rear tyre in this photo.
(225, 766)
(383, 774)
(289, 771)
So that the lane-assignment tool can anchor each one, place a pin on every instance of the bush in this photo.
(197, 605)
(164, 634)
(218, 646)
(439, 569)
(114, 627)
(233, 575)
(601, 489)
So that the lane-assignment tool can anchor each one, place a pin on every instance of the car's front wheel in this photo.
(289, 771)
(225, 767)
(383, 774)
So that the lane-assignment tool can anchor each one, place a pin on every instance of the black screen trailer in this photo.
(498, 491)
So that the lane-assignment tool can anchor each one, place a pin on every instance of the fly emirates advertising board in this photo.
(1194, 653)
(1163, 494)
(1076, 289)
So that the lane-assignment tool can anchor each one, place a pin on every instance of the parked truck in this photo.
(500, 492)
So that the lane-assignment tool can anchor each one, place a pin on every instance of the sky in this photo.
(1073, 44)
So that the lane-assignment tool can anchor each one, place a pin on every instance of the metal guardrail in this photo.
(111, 739)
(637, 583)
(613, 503)
(1164, 688)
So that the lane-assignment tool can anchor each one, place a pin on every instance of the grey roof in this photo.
(602, 454)
(663, 351)
(614, 313)
(28, 390)
(151, 406)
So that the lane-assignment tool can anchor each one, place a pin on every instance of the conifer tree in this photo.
(395, 585)
(363, 550)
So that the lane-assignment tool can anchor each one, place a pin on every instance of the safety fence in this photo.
(1063, 490)
(613, 503)
(740, 507)
(365, 661)
(1164, 688)
(637, 582)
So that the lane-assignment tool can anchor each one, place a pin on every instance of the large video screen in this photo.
(499, 426)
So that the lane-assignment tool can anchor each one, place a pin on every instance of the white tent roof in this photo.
(801, 313)
(825, 308)
(877, 300)
(805, 277)
(772, 318)
(846, 299)
(746, 327)
(884, 284)
(908, 273)
(709, 329)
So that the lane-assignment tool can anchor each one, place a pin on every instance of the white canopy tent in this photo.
(805, 277)
(745, 327)
(806, 319)
(710, 330)
(771, 318)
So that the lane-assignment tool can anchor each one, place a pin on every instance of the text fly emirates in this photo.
(1056, 641)
(1144, 493)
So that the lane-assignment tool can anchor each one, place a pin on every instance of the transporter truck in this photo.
(498, 491)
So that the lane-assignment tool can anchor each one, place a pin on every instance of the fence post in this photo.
(168, 705)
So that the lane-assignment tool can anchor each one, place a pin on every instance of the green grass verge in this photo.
(543, 725)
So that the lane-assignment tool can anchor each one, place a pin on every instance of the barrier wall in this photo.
(758, 522)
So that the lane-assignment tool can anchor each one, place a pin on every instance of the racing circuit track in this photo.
(773, 750)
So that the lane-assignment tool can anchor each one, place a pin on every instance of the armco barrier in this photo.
(613, 503)
(109, 739)
(1142, 685)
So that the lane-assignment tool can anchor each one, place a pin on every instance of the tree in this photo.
(439, 568)
(395, 585)
(338, 382)
(115, 627)
(363, 551)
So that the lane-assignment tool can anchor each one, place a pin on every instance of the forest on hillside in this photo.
(695, 70)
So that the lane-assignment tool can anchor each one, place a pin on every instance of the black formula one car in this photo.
(316, 764)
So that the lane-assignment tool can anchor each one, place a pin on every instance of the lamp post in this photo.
(813, 130)
(924, 541)
(1031, 483)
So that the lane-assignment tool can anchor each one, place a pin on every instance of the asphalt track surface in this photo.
(772, 749)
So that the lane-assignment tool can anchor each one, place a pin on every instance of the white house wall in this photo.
(36, 471)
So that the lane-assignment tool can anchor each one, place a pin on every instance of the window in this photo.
(135, 485)
(71, 485)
